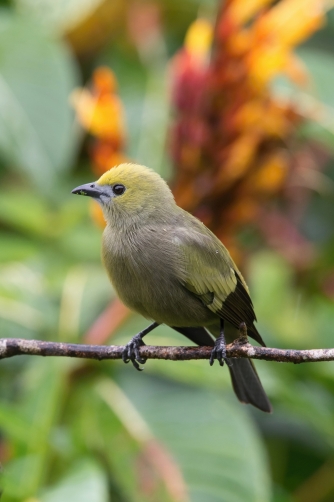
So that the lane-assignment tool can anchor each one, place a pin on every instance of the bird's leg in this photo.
(131, 351)
(219, 350)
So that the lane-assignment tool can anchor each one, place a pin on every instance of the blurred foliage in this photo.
(98, 432)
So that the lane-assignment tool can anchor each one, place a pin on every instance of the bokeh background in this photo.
(233, 103)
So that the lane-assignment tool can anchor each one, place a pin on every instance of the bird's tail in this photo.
(245, 380)
(247, 385)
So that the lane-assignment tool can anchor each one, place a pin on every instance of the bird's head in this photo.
(128, 191)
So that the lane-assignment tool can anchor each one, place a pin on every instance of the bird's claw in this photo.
(219, 352)
(132, 352)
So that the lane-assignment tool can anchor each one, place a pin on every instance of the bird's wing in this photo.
(206, 270)
(209, 272)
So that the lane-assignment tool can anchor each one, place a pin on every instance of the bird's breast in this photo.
(144, 273)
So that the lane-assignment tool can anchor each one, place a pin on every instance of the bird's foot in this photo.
(219, 352)
(132, 352)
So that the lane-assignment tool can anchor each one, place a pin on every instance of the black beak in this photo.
(91, 190)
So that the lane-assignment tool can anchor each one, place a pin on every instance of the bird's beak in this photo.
(91, 190)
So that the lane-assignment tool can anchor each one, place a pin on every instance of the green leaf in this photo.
(25, 212)
(44, 393)
(86, 483)
(310, 98)
(16, 480)
(321, 68)
(37, 75)
(282, 311)
(17, 248)
(213, 440)
(59, 16)
(12, 424)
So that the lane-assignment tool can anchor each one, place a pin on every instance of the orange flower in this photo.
(230, 135)
(198, 39)
(276, 32)
(100, 111)
(271, 174)
(240, 11)
(104, 157)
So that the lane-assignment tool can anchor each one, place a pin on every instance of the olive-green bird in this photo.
(168, 266)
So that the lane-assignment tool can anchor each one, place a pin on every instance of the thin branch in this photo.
(10, 347)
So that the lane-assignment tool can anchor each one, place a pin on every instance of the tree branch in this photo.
(10, 347)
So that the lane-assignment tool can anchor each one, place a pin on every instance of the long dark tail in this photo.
(245, 380)
(247, 385)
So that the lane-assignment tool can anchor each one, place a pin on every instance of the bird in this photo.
(166, 265)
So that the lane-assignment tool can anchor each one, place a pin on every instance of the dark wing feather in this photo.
(238, 308)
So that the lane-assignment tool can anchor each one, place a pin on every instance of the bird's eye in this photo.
(118, 189)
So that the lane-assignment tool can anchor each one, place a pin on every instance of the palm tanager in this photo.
(168, 266)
